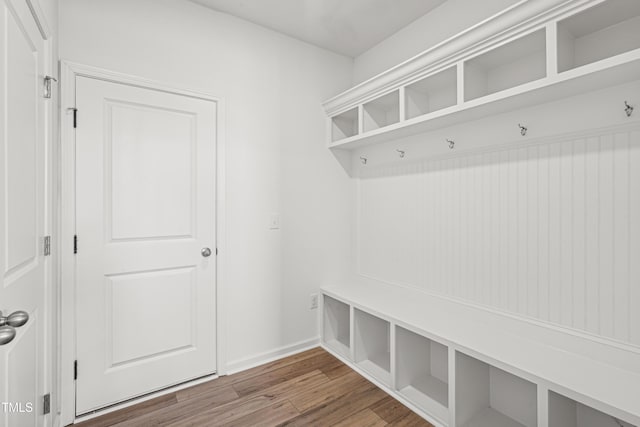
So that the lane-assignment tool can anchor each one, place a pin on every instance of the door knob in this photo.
(15, 319)
(9, 323)
(7, 334)
(206, 252)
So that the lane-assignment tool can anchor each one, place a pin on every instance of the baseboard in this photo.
(270, 356)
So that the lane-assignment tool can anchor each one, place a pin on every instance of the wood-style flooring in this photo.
(312, 388)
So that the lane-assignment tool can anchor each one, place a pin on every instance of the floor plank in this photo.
(390, 410)
(366, 418)
(409, 420)
(273, 415)
(360, 397)
(260, 400)
(181, 410)
(327, 392)
(140, 409)
(309, 388)
(279, 375)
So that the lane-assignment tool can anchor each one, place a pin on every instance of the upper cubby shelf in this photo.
(597, 33)
(515, 63)
(531, 53)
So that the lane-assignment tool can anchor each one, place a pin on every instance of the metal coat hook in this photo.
(451, 143)
(400, 153)
(523, 129)
(363, 160)
(628, 109)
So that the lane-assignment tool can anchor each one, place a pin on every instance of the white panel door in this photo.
(145, 212)
(22, 215)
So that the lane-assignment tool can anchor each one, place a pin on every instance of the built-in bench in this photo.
(460, 365)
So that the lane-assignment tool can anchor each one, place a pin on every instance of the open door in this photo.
(23, 270)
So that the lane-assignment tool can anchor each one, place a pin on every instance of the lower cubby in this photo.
(372, 337)
(422, 373)
(451, 382)
(566, 412)
(337, 326)
(487, 396)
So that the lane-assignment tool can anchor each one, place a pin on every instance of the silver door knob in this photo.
(9, 323)
(206, 252)
(7, 334)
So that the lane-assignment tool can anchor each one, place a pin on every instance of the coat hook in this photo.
(363, 160)
(628, 109)
(523, 129)
(451, 143)
(400, 153)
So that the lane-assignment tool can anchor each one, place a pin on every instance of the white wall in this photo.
(543, 226)
(447, 20)
(276, 158)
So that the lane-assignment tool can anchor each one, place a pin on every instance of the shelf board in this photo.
(339, 347)
(489, 417)
(376, 367)
(382, 360)
(429, 394)
(601, 74)
(433, 387)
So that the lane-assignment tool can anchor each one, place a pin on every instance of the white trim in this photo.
(272, 355)
(68, 73)
(40, 18)
(66, 311)
(221, 238)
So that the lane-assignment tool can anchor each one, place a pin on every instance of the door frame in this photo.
(66, 179)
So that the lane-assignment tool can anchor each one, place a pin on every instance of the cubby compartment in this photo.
(600, 32)
(422, 372)
(566, 412)
(344, 125)
(337, 326)
(487, 396)
(382, 111)
(431, 94)
(373, 345)
(510, 65)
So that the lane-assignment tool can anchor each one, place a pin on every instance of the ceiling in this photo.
(348, 27)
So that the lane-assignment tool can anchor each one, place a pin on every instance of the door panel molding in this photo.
(69, 72)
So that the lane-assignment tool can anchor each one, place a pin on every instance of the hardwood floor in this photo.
(308, 389)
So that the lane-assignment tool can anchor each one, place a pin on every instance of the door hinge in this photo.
(216, 251)
(46, 404)
(75, 369)
(75, 244)
(47, 245)
(75, 117)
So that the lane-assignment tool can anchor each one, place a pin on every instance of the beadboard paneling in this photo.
(549, 231)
